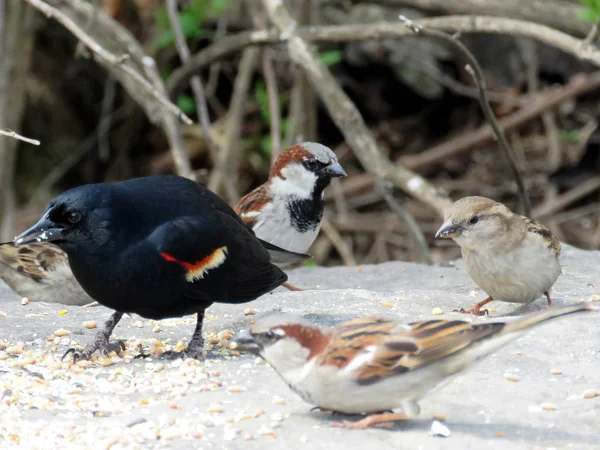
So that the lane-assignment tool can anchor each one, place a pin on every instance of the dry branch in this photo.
(18, 137)
(347, 117)
(386, 30)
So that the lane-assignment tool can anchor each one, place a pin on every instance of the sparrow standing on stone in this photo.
(511, 257)
(371, 365)
(287, 209)
(159, 247)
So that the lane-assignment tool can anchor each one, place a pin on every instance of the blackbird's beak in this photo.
(449, 230)
(246, 343)
(43, 231)
(334, 170)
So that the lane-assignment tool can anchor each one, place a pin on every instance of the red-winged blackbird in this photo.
(159, 247)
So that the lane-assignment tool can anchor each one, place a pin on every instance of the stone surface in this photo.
(223, 402)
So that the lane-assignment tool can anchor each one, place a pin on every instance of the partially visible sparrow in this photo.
(159, 247)
(510, 257)
(41, 272)
(287, 209)
(370, 365)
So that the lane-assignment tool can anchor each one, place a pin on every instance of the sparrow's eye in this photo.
(473, 220)
(312, 164)
(73, 217)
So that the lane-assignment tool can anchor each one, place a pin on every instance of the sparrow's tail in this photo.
(280, 256)
(532, 320)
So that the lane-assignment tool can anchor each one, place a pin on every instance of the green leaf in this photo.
(569, 135)
(199, 9)
(189, 24)
(588, 15)
(164, 40)
(310, 263)
(161, 18)
(266, 145)
(219, 7)
(331, 58)
(186, 104)
(262, 98)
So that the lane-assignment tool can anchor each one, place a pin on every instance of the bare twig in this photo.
(415, 233)
(108, 57)
(14, 135)
(385, 30)
(338, 242)
(348, 118)
(564, 200)
(227, 163)
(196, 83)
(170, 125)
(108, 100)
(274, 110)
(475, 71)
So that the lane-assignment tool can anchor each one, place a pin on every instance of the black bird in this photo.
(161, 246)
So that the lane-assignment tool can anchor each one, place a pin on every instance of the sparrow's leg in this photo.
(290, 287)
(195, 348)
(376, 420)
(547, 294)
(100, 341)
(476, 308)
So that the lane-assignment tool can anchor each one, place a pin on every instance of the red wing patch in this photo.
(197, 270)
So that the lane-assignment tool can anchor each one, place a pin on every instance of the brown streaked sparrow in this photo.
(41, 272)
(370, 365)
(511, 257)
(287, 209)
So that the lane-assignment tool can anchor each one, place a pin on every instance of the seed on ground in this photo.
(555, 372)
(511, 377)
(548, 406)
(386, 304)
(590, 393)
(61, 332)
(249, 311)
(24, 301)
(89, 324)
(437, 311)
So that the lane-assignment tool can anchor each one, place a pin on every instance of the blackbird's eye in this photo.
(73, 217)
(473, 220)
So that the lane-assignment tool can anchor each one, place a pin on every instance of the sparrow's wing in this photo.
(250, 205)
(217, 253)
(551, 241)
(371, 349)
(32, 261)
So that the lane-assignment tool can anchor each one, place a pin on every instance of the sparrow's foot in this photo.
(375, 420)
(290, 287)
(547, 294)
(476, 308)
(99, 343)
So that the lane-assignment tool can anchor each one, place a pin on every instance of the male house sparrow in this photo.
(511, 257)
(159, 247)
(287, 210)
(371, 365)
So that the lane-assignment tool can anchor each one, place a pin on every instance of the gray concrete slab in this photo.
(236, 403)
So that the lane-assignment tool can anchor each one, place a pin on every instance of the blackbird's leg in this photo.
(100, 341)
(195, 348)
(476, 308)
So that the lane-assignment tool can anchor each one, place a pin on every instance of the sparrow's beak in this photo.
(449, 230)
(43, 231)
(334, 170)
(246, 343)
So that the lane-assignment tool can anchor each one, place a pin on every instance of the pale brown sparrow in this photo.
(511, 257)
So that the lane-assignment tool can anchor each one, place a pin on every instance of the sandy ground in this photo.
(529, 395)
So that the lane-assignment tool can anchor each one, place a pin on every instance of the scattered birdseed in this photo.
(61, 332)
(248, 437)
(14, 350)
(62, 312)
(233, 345)
(279, 401)
(215, 409)
(386, 304)
(156, 329)
(65, 341)
(2, 314)
(590, 393)
(24, 301)
(437, 311)
(89, 324)
(439, 429)
(236, 388)
(511, 377)
(555, 371)
(499, 434)
(595, 298)
(225, 335)
(249, 311)
(138, 324)
(439, 416)
(548, 406)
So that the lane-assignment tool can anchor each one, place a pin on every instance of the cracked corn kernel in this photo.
(89, 324)
(555, 372)
(61, 332)
(511, 377)
(437, 311)
(386, 304)
(548, 406)
(590, 393)
(249, 312)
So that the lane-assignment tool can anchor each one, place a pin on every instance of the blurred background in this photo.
(414, 94)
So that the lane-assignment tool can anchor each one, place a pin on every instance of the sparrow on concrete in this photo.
(511, 257)
(287, 209)
(371, 365)
(160, 247)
